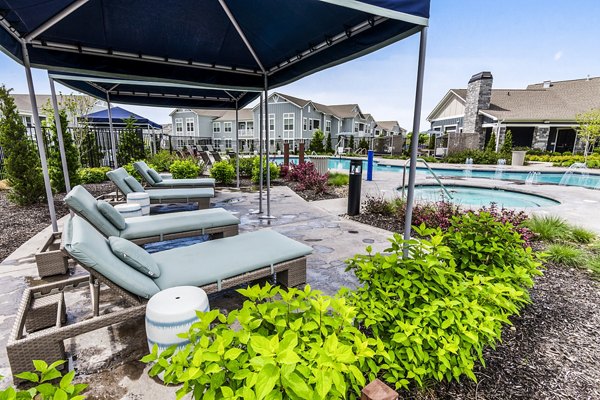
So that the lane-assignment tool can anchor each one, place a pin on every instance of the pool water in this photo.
(554, 178)
(478, 196)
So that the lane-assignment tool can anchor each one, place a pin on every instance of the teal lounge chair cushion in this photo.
(133, 184)
(89, 247)
(211, 261)
(142, 168)
(163, 224)
(165, 195)
(155, 176)
(111, 214)
(198, 182)
(117, 176)
(83, 203)
(133, 255)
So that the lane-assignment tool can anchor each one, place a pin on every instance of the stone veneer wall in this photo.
(479, 94)
(541, 134)
(458, 142)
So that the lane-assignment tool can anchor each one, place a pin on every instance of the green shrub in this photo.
(223, 172)
(274, 170)
(507, 145)
(437, 309)
(184, 169)
(162, 160)
(131, 145)
(89, 152)
(316, 143)
(565, 254)
(478, 156)
(337, 179)
(46, 388)
(379, 205)
(93, 175)
(548, 228)
(55, 168)
(292, 344)
(246, 165)
(582, 235)
(594, 266)
(22, 165)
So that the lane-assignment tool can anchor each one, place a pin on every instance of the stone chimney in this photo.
(479, 95)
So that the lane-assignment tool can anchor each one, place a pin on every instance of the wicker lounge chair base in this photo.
(216, 233)
(203, 202)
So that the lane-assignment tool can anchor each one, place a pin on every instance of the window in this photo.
(356, 127)
(250, 125)
(189, 125)
(228, 143)
(178, 125)
(288, 124)
(227, 126)
(304, 124)
(217, 143)
(310, 124)
(308, 108)
(272, 123)
(316, 123)
(216, 127)
(327, 126)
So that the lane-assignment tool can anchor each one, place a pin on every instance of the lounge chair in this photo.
(128, 184)
(209, 265)
(154, 180)
(153, 228)
(207, 159)
(216, 156)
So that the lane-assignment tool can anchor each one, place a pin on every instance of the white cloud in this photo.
(558, 55)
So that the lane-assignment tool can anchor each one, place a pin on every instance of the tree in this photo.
(131, 145)
(589, 129)
(351, 142)
(508, 143)
(21, 160)
(89, 152)
(55, 169)
(363, 144)
(316, 144)
(490, 147)
(328, 144)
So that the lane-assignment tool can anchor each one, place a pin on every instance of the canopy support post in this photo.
(113, 137)
(40, 139)
(59, 133)
(268, 147)
(415, 140)
(237, 145)
(260, 155)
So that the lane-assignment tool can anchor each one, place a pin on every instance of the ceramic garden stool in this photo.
(141, 198)
(128, 210)
(173, 311)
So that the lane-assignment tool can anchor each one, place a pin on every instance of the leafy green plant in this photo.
(478, 156)
(274, 170)
(162, 160)
(379, 205)
(93, 175)
(328, 144)
(246, 165)
(507, 145)
(316, 143)
(22, 165)
(582, 235)
(437, 309)
(55, 169)
(548, 228)
(182, 169)
(594, 265)
(337, 179)
(293, 344)
(491, 144)
(89, 152)
(223, 172)
(131, 145)
(565, 254)
(363, 144)
(45, 389)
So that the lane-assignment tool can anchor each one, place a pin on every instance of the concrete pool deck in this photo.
(107, 358)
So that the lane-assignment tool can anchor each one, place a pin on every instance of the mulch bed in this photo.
(333, 192)
(19, 224)
(389, 223)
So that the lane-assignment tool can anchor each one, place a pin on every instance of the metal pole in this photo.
(414, 142)
(268, 140)
(113, 137)
(40, 139)
(237, 146)
(260, 155)
(59, 133)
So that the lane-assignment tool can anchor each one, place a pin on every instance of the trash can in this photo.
(355, 178)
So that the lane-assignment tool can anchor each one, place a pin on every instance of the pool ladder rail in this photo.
(432, 173)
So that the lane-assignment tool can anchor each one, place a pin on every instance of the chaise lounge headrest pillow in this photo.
(134, 256)
(112, 215)
(134, 184)
(155, 176)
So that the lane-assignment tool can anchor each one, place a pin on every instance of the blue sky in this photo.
(520, 42)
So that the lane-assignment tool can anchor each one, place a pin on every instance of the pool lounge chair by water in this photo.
(153, 228)
(128, 184)
(154, 180)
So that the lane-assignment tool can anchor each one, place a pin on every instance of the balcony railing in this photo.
(246, 132)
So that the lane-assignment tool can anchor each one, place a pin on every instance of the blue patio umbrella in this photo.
(119, 116)
(225, 44)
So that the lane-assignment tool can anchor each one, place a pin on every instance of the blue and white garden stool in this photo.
(128, 210)
(171, 312)
(141, 198)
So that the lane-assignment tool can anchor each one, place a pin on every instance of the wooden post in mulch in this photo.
(300, 153)
(378, 390)
(286, 154)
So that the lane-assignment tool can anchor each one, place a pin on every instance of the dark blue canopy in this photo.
(224, 43)
(119, 115)
(160, 94)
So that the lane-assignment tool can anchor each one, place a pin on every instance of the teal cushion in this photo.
(180, 194)
(112, 215)
(118, 176)
(155, 176)
(142, 168)
(133, 255)
(80, 201)
(134, 184)
(86, 245)
(177, 183)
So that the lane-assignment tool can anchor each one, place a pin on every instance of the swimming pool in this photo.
(591, 181)
(479, 196)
